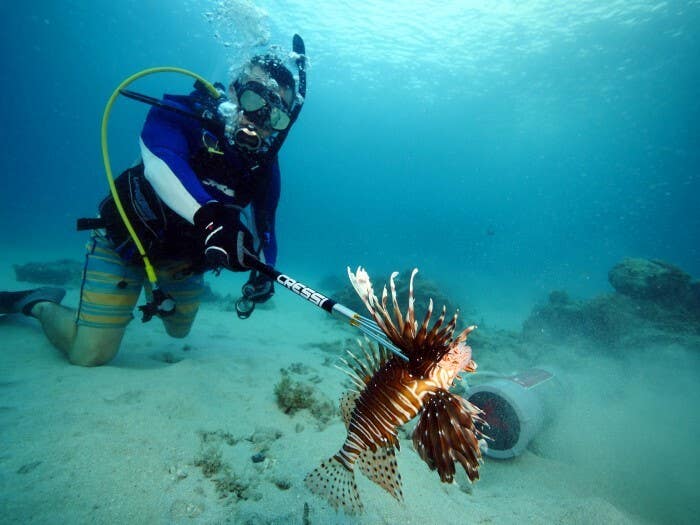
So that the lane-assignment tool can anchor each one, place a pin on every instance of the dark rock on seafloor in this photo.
(653, 302)
(650, 279)
(63, 272)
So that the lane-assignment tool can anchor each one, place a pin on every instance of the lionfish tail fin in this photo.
(446, 434)
(380, 467)
(335, 483)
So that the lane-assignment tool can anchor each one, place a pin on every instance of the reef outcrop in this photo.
(653, 301)
(653, 280)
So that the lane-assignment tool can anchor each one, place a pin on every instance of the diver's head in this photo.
(265, 95)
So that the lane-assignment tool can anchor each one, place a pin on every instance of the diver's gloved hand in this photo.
(227, 243)
(259, 288)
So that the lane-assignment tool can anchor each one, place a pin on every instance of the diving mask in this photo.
(263, 106)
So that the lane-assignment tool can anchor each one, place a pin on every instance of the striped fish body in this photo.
(391, 398)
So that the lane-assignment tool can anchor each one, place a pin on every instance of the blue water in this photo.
(505, 148)
(567, 130)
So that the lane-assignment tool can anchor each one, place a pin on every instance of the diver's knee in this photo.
(95, 347)
(95, 356)
(178, 331)
(88, 360)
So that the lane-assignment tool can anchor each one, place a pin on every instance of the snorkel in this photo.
(299, 55)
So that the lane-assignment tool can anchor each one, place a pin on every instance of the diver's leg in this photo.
(187, 293)
(83, 345)
(110, 289)
(58, 323)
(95, 346)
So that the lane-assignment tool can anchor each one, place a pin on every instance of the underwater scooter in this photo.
(161, 303)
(516, 408)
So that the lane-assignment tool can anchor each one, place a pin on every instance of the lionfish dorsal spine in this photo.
(411, 310)
(395, 302)
(446, 333)
(385, 313)
(431, 336)
(423, 331)
(464, 333)
(363, 286)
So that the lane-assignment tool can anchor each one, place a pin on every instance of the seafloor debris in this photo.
(63, 272)
(294, 395)
(235, 484)
(181, 509)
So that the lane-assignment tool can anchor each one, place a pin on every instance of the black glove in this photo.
(259, 287)
(225, 240)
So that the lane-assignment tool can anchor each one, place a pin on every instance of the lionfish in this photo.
(391, 391)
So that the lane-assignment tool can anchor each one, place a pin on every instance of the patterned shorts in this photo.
(111, 288)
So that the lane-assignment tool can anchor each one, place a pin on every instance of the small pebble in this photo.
(177, 473)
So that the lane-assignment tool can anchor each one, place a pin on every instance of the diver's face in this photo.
(247, 121)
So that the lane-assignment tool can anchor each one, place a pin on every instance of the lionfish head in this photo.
(457, 359)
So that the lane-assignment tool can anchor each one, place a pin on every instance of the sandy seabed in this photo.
(167, 433)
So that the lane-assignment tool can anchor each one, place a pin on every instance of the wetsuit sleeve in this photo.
(265, 202)
(166, 142)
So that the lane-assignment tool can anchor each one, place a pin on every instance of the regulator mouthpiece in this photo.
(247, 138)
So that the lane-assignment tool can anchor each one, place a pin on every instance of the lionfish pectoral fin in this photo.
(362, 365)
(446, 434)
(335, 483)
(380, 467)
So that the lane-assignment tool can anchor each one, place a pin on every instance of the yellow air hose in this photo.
(150, 272)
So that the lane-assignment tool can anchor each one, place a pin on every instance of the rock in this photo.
(600, 320)
(650, 279)
(653, 301)
(63, 272)
(693, 296)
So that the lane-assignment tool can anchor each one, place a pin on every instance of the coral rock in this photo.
(649, 279)
(64, 272)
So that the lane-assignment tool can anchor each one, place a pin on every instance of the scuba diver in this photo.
(205, 161)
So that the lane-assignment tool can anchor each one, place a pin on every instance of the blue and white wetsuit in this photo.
(185, 175)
